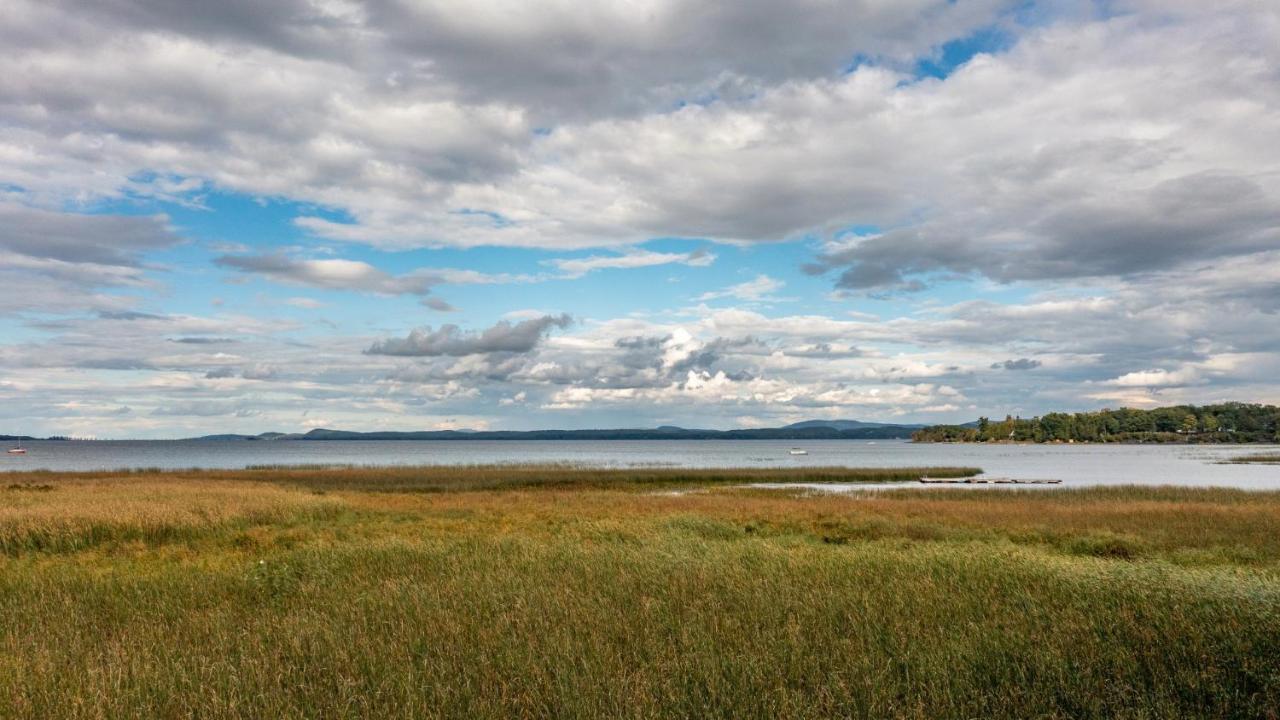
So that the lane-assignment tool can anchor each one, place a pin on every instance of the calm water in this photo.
(1073, 464)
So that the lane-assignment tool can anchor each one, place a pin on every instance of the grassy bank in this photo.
(1256, 458)
(561, 592)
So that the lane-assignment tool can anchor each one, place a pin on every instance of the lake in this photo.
(1073, 464)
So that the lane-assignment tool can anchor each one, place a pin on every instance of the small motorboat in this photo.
(797, 451)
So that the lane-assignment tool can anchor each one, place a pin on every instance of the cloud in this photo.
(129, 315)
(304, 303)
(577, 267)
(330, 274)
(58, 261)
(210, 408)
(1019, 364)
(1112, 161)
(503, 337)
(357, 276)
(750, 133)
(81, 240)
(202, 340)
(757, 289)
(1189, 218)
(431, 125)
(438, 305)
(1157, 378)
(554, 58)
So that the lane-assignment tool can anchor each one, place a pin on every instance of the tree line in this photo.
(1224, 423)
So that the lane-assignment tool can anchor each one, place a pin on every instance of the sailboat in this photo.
(18, 449)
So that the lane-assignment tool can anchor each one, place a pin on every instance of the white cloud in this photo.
(1157, 378)
(760, 288)
(577, 267)
(1115, 173)
(1105, 128)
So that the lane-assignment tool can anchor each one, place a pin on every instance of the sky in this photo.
(516, 214)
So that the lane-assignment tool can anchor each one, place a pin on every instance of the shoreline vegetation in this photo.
(1259, 459)
(1233, 423)
(558, 591)
(497, 477)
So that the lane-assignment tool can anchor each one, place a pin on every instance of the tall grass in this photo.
(562, 600)
(452, 478)
(1259, 458)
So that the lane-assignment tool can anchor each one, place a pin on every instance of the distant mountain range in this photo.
(807, 430)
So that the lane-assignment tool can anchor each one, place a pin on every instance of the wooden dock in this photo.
(987, 481)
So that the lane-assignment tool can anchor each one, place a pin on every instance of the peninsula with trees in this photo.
(1231, 422)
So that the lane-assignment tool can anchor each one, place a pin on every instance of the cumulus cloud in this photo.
(556, 58)
(440, 127)
(503, 337)
(1115, 163)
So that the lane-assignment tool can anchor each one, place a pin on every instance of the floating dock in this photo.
(987, 481)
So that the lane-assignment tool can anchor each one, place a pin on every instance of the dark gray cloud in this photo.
(560, 60)
(1019, 364)
(202, 340)
(112, 240)
(619, 58)
(503, 337)
(53, 262)
(129, 315)
(1188, 219)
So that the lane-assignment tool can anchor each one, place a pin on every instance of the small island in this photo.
(1231, 422)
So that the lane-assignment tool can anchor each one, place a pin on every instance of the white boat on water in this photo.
(18, 450)
(797, 451)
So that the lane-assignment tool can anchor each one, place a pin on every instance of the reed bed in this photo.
(75, 514)
(1258, 458)
(295, 596)
(454, 478)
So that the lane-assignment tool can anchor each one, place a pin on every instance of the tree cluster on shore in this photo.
(1224, 423)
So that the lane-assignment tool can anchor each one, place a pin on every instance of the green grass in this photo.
(290, 594)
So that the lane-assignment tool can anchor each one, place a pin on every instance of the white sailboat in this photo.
(18, 449)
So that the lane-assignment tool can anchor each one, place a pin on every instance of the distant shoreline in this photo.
(1175, 440)
(1231, 423)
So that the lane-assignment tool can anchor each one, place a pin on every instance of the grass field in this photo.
(561, 592)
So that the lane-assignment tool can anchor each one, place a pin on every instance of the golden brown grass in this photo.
(77, 512)
(452, 478)
(1256, 458)
(294, 594)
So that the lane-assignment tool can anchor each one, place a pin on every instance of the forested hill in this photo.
(820, 430)
(1225, 423)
